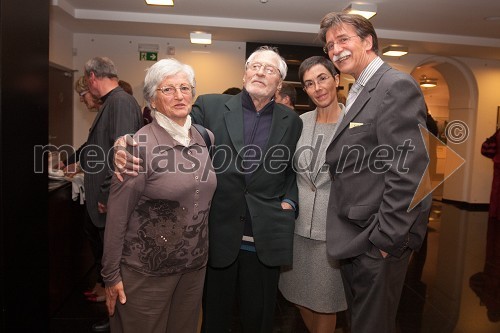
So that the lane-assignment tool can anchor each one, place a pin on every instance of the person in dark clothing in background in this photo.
(119, 114)
(486, 284)
(232, 91)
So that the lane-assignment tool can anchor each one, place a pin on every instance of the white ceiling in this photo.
(438, 27)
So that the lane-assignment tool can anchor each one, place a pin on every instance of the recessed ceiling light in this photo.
(395, 51)
(199, 37)
(160, 2)
(427, 82)
(367, 10)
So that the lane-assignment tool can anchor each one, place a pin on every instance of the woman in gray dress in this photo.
(313, 283)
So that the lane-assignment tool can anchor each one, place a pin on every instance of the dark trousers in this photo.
(255, 286)
(373, 288)
(95, 237)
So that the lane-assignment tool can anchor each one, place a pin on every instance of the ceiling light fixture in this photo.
(427, 82)
(395, 51)
(160, 2)
(198, 37)
(366, 10)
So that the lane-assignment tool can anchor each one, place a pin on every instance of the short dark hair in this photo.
(364, 27)
(288, 90)
(313, 61)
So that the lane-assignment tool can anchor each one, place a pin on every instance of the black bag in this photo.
(489, 146)
(203, 131)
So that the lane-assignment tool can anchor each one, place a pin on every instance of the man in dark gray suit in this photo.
(118, 115)
(377, 160)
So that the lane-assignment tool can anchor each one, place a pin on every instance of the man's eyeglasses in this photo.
(341, 41)
(171, 90)
(83, 93)
(268, 69)
(320, 81)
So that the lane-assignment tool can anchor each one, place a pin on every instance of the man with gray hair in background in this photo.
(119, 114)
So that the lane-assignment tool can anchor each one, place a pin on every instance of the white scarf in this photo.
(179, 133)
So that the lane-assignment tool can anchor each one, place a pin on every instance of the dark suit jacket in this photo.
(118, 115)
(270, 183)
(369, 199)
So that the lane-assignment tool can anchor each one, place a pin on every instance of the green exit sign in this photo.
(148, 56)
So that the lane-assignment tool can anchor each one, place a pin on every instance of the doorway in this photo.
(453, 99)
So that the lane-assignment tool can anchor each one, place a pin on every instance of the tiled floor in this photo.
(437, 297)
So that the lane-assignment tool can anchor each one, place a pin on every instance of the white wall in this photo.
(217, 66)
(60, 45)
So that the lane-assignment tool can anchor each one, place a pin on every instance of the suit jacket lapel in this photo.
(234, 122)
(363, 98)
(306, 140)
(320, 160)
(278, 128)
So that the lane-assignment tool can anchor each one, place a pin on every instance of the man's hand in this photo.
(286, 205)
(124, 161)
(71, 170)
(112, 293)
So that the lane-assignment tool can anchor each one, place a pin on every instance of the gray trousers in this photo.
(167, 304)
(373, 288)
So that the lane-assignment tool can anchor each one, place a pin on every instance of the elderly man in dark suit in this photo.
(118, 115)
(377, 160)
(252, 216)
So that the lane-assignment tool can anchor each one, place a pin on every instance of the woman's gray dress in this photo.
(314, 280)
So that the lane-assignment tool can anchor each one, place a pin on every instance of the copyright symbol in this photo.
(456, 131)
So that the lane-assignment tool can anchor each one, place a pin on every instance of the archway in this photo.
(462, 105)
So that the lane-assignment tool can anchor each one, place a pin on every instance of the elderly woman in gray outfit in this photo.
(313, 283)
(156, 239)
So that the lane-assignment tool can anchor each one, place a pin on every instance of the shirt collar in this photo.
(368, 72)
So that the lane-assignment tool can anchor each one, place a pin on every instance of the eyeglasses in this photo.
(171, 90)
(341, 41)
(320, 81)
(268, 69)
(83, 93)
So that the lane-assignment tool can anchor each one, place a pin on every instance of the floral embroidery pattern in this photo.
(168, 240)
